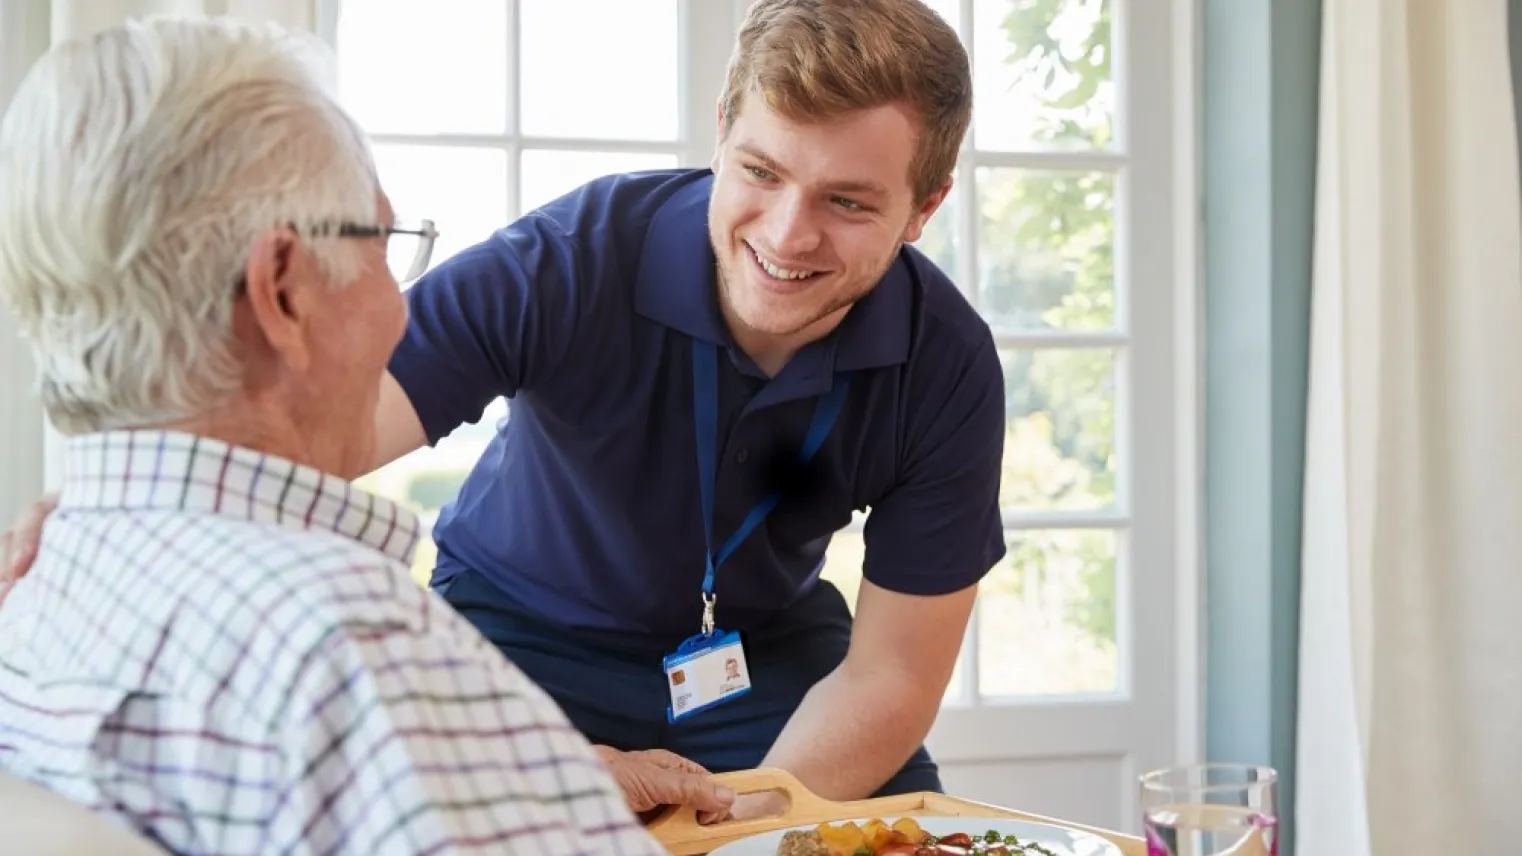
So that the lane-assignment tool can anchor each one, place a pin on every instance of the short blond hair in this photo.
(814, 60)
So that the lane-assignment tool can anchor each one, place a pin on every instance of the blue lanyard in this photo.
(705, 417)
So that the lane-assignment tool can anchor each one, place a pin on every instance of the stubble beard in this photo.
(843, 301)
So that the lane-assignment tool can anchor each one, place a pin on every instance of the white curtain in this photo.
(1410, 720)
(69, 19)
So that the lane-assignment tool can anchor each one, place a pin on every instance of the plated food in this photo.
(903, 837)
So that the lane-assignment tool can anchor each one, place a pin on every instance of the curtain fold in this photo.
(1410, 719)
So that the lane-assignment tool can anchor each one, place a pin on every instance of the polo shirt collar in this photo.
(676, 286)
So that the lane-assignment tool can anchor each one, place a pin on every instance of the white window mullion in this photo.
(327, 21)
(708, 30)
(514, 110)
(596, 145)
(1090, 161)
(966, 218)
(1021, 520)
(1060, 338)
(1152, 406)
(971, 659)
(967, 213)
(551, 143)
(1100, 518)
(967, 275)
(514, 180)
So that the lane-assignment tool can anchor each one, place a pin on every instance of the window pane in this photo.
(1046, 616)
(1042, 74)
(599, 69)
(1046, 247)
(843, 562)
(548, 174)
(463, 190)
(1059, 434)
(409, 67)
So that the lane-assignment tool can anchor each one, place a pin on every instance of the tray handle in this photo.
(678, 829)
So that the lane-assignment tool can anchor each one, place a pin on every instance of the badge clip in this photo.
(708, 611)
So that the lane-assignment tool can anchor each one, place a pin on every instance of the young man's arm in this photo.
(929, 542)
(494, 320)
(398, 430)
(858, 726)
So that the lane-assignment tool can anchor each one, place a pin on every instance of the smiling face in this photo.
(805, 218)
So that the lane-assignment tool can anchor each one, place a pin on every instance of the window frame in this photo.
(707, 31)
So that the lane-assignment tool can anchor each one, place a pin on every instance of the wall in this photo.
(23, 36)
(1261, 61)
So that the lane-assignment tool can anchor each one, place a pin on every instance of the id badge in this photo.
(706, 671)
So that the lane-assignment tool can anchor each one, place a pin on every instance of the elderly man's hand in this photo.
(18, 545)
(654, 778)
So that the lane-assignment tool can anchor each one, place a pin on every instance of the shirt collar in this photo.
(174, 471)
(676, 287)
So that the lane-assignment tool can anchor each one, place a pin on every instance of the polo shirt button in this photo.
(742, 456)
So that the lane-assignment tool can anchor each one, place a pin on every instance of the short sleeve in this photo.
(939, 529)
(494, 320)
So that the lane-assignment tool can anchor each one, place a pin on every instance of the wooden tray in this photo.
(681, 834)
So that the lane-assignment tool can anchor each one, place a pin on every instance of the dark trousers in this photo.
(613, 689)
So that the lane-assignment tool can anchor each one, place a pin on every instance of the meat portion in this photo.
(802, 844)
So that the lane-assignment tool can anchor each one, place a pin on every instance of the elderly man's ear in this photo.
(279, 278)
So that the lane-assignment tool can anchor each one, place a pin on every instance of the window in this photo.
(1030, 233)
(1034, 231)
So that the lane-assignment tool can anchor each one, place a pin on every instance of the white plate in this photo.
(1063, 842)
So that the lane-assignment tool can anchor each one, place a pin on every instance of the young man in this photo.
(710, 370)
(220, 644)
(675, 345)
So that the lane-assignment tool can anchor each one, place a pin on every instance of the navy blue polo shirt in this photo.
(585, 506)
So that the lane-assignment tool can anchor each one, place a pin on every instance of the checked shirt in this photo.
(224, 651)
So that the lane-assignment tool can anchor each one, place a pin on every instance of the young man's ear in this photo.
(923, 212)
(718, 147)
(273, 296)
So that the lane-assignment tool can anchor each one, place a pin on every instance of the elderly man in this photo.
(219, 643)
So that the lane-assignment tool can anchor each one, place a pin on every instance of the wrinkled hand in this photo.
(654, 778)
(18, 545)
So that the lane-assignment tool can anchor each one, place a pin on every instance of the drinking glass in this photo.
(1211, 810)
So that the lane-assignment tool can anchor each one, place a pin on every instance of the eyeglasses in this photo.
(408, 249)
(407, 257)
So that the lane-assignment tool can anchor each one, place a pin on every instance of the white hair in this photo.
(137, 168)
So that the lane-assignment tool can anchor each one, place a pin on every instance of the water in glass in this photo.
(1211, 810)
(1209, 830)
